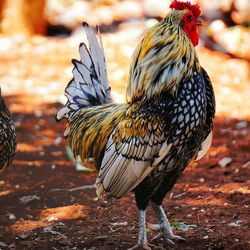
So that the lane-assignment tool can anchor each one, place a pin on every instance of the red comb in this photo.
(195, 8)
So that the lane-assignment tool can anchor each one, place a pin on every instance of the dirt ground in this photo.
(40, 211)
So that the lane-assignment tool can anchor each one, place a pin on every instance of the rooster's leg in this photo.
(142, 239)
(164, 224)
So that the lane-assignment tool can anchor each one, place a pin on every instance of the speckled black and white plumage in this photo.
(188, 121)
(7, 136)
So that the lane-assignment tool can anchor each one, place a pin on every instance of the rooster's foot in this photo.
(148, 246)
(140, 246)
(170, 238)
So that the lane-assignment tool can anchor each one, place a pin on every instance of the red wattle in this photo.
(194, 38)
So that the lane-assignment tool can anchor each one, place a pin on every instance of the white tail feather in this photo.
(89, 86)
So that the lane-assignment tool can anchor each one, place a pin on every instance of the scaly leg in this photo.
(164, 224)
(142, 239)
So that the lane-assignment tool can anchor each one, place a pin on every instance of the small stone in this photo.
(38, 113)
(125, 223)
(11, 216)
(2, 244)
(23, 235)
(235, 224)
(201, 180)
(236, 171)
(240, 125)
(12, 246)
(53, 166)
(52, 218)
(246, 164)
(224, 161)
(41, 153)
(58, 140)
(28, 198)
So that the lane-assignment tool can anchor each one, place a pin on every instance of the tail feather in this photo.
(89, 86)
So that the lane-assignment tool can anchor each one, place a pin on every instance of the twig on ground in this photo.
(85, 187)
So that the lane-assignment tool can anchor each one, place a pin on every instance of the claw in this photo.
(157, 236)
(147, 247)
(178, 238)
(140, 246)
(169, 238)
(170, 242)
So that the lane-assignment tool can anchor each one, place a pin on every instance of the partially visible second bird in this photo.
(7, 136)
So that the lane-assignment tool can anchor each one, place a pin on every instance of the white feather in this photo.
(120, 172)
(90, 80)
(205, 146)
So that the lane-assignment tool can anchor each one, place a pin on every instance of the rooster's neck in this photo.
(164, 58)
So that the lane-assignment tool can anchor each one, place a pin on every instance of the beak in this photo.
(199, 21)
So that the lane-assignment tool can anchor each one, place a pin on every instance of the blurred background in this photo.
(39, 205)
(39, 38)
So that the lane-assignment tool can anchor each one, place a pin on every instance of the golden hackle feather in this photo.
(91, 127)
(164, 57)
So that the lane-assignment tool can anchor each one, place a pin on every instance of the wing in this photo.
(210, 116)
(133, 150)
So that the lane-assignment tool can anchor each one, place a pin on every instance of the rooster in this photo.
(7, 136)
(143, 145)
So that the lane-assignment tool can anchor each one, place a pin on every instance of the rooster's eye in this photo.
(189, 18)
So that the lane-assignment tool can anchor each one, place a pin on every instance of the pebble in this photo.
(224, 161)
(119, 223)
(235, 224)
(53, 166)
(38, 113)
(247, 164)
(240, 125)
(28, 198)
(58, 140)
(201, 180)
(2, 244)
(11, 216)
(52, 218)
(23, 235)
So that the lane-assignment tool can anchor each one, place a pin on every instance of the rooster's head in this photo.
(189, 18)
